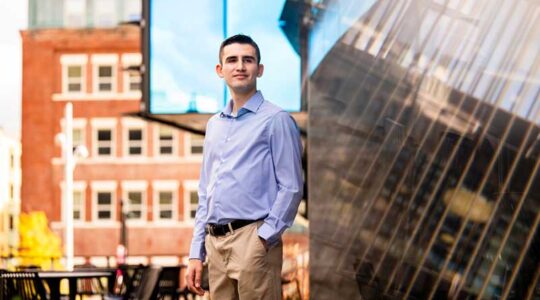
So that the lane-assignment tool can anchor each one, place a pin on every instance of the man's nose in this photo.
(241, 65)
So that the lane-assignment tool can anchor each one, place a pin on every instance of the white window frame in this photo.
(103, 186)
(103, 123)
(189, 186)
(131, 59)
(188, 142)
(165, 186)
(157, 142)
(135, 186)
(67, 60)
(99, 60)
(131, 123)
(79, 186)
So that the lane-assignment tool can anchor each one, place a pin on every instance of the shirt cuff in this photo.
(197, 251)
(268, 234)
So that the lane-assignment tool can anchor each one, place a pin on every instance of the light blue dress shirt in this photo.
(251, 170)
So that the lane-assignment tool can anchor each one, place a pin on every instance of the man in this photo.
(250, 185)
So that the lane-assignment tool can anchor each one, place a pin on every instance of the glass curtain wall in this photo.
(424, 145)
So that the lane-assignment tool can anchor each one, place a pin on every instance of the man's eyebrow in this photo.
(236, 57)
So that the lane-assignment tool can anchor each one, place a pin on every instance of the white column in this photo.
(68, 197)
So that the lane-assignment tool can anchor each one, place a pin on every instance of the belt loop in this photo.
(210, 229)
(230, 228)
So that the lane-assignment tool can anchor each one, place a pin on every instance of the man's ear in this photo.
(260, 71)
(219, 70)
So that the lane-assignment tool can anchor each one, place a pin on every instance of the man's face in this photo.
(239, 68)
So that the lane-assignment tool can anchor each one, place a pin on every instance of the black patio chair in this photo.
(168, 284)
(22, 285)
(90, 286)
(146, 289)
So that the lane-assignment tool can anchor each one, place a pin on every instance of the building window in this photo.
(12, 160)
(103, 137)
(165, 204)
(78, 205)
(165, 200)
(104, 72)
(73, 73)
(134, 195)
(195, 144)
(191, 199)
(105, 79)
(103, 200)
(104, 142)
(74, 79)
(134, 205)
(134, 82)
(135, 141)
(132, 78)
(166, 141)
(104, 205)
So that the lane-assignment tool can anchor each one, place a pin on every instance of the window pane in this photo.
(197, 149)
(134, 86)
(104, 214)
(76, 215)
(135, 134)
(105, 71)
(78, 136)
(104, 198)
(165, 214)
(134, 214)
(192, 213)
(77, 197)
(135, 150)
(74, 87)
(166, 150)
(104, 135)
(104, 150)
(105, 87)
(194, 197)
(135, 197)
(165, 197)
(74, 71)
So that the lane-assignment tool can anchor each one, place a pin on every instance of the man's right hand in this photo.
(193, 276)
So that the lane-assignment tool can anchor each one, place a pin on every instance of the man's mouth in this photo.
(240, 76)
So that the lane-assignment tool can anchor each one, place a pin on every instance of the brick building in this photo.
(152, 168)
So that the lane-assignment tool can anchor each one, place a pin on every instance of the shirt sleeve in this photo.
(286, 151)
(197, 250)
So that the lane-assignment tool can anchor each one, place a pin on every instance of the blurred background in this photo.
(420, 121)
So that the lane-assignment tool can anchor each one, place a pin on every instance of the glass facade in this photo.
(424, 145)
(82, 13)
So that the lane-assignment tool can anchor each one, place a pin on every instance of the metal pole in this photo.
(68, 197)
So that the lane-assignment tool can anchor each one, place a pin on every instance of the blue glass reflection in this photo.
(184, 43)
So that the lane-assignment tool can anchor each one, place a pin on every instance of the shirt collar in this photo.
(251, 105)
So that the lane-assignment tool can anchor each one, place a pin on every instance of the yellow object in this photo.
(38, 246)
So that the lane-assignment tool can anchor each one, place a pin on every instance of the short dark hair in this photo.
(240, 39)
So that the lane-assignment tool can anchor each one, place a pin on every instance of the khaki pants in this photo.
(239, 267)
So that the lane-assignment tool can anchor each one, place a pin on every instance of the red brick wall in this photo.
(41, 178)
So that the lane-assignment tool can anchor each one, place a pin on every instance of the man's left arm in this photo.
(286, 151)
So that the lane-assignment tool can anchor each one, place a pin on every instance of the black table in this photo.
(53, 279)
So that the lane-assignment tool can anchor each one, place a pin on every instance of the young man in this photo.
(250, 185)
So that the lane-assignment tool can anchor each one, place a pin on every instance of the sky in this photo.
(13, 17)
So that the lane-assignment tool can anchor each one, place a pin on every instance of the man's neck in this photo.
(240, 99)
